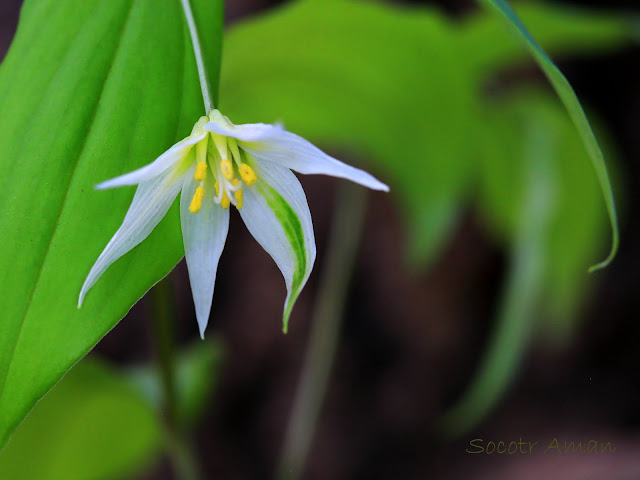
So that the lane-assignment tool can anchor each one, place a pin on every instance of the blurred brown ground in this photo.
(411, 341)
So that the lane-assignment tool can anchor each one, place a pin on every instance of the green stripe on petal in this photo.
(276, 213)
(294, 233)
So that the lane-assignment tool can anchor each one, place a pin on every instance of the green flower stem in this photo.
(182, 457)
(346, 232)
(163, 311)
(197, 51)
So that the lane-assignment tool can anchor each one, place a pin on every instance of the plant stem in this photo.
(346, 231)
(197, 51)
(164, 311)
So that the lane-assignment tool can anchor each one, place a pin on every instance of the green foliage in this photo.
(576, 226)
(92, 89)
(88, 90)
(366, 78)
(402, 87)
(548, 205)
(196, 376)
(571, 102)
(93, 425)
(560, 29)
(405, 88)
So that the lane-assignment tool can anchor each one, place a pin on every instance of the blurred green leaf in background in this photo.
(197, 371)
(98, 423)
(408, 92)
(93, 425)
(572, 104)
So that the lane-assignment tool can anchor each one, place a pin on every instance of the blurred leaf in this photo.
(548, 209)
(197, 373)
(92, 425)
(89, 90)
(571, 102)
(559, 29)
(384, 82)
(523, 284)
(577, 223)
(399, 86)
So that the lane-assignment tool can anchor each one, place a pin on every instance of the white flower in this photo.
(218, 165)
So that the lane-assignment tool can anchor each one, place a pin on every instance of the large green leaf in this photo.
(401, 87)
(93, 425)
(363, 77)
(89, 90)
(571, 102)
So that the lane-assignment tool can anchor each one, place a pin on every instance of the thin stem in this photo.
(182, 458)
(326, 323)
(197, 51)
(163, 309)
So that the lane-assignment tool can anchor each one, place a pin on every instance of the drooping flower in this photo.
(221, 164)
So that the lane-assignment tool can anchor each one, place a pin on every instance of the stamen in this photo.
(225, 202)
(235, 182)
(217, 187)
(247, 174)
(238, 196)
(201, 172)
(227, 169)
(196, 202)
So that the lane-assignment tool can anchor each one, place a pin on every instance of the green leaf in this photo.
(399, 89)
(89, 90)
(363, 77)
(560, 29)
(568, 97)
(551, 230)
(92, 425)
(197, 373)
(523, 284)
(578, 216)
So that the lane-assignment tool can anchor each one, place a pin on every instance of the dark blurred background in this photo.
(410, 341)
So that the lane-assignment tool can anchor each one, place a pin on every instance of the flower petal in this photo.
(276, 213)
(157, 167)
(204, 237)
(249, 132)
(274, 144)
(150, 203)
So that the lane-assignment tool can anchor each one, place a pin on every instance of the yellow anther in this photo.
(238, 196)
(235, 182)
(217, 187)
(225, 202)
(201, 171)
(196, 202)
(247, 174)
(227, 169)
